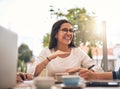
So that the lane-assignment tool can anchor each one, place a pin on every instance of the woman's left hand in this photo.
(58, 53)
(74, 70)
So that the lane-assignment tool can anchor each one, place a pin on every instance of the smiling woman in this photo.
(62, 52)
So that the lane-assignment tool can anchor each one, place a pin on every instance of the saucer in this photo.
(71, 86)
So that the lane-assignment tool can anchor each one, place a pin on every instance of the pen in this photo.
(91, 67)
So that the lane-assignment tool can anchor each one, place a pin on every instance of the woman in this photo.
(62, 54)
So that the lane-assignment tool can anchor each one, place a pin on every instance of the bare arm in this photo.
(43, 64)
(104, 76)
(40, 67)
(89, 75)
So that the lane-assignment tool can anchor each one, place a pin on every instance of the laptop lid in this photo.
(8, 58)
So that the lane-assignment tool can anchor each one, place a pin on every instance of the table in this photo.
(30, 85)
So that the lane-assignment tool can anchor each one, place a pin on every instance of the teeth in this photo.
(67, 38)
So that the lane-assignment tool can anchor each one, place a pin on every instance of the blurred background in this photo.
(96, 23)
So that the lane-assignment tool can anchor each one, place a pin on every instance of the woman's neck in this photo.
(63, 48)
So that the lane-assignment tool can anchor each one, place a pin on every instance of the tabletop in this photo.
(30, 85)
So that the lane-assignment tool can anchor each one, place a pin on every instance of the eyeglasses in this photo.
(67, 30)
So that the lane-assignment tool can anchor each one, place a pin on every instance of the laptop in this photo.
(103, 83)
(8, 58)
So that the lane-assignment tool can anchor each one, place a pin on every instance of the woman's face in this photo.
(65, 34)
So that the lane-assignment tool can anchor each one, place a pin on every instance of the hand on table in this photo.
(82, 72)
(87, 74)
(23, 76)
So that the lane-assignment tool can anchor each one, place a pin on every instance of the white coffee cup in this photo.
(44, 82)
(58, 76)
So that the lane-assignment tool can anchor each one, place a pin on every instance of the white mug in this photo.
(58, 76)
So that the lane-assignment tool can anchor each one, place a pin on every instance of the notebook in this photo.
(8, 58)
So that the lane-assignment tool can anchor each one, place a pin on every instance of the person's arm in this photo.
(116, 74)
(104, 75)
(89, 75)
(48, 59)
(40, 67)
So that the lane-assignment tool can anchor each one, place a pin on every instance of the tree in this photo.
(46, 40)
(24, 53)
(84, 23)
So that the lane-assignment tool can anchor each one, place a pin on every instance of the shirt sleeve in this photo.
(116, 74)
(87, 62)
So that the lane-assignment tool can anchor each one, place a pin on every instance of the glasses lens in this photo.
(66, 30)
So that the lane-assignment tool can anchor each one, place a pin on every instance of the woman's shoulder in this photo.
(44, 50)
(78, 50)
(47, 50)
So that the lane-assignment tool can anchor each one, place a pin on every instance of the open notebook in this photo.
(8, 58)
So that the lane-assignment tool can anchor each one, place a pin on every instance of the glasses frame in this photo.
(65, 30)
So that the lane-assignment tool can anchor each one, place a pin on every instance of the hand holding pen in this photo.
(91, 67)
(74, 70)
(87, 74)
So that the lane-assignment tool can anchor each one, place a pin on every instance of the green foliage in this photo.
(46, 40)
(90, 52)
(22, 67)
(84, 23)
(24, 53)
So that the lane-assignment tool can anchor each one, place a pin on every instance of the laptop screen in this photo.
(8, 58)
